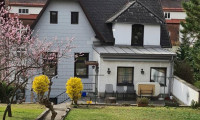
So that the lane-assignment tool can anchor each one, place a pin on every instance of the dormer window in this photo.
(23, 11)
(167, 15)
(137, 35)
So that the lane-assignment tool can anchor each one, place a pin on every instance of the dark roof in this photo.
(100, 11)
(172, 3)
(27, 1)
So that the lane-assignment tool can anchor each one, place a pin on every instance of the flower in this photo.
(89, 102)
(41, 84)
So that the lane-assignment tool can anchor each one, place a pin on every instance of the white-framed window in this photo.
(167, 15)
(158, 74)
(23, 11)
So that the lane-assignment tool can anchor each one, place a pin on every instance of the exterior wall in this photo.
(177, 15)
(174, 33)
(152, 35)
(82, 33)
(32, 10)
(111, 78)
(184, 91)
(123, 33)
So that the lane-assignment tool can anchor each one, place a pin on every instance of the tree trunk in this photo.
(8, 109)
(48, 104)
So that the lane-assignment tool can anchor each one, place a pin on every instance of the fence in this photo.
(184, 91)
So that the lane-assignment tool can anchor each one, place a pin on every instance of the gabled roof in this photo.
(99, 11)
(135, 12)
(172, 3)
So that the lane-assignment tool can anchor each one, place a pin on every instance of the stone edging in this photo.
(67, 112)
(42, 115)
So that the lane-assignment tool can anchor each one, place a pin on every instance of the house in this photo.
(174, 14)
(26, 9)
(127, 38)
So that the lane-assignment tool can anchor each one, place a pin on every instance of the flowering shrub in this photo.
(89, 102)
(41, 84)
(74, 87)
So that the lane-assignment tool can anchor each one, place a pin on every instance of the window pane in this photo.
(137, 35)
(23, 10)
(26, 10)
(20, 10)
(74, 17)
(81, 70)
(53, 17)
(158, 75)
(125, 76)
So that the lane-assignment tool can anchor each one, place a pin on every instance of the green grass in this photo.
(23, 111)
(133, 113)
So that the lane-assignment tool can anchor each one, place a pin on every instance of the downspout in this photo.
(171, 75)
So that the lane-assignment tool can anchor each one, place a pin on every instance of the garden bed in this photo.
(23, 111)
(133, 113)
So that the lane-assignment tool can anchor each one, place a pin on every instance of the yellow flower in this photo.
(89, 102)
(41, 84)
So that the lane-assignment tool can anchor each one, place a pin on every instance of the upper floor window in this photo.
(74, 17)
(167, 15)
(80, 69)
(159, 75)
(50, 61)
(23, 11)
(53, 17)
(137, 35)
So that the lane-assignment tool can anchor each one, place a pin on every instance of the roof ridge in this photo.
(122, 10)
(150, 11)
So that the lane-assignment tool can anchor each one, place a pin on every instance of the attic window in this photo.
(167, 15)
(137, 35)
(23, 11)
(74, 17)
(53, 17)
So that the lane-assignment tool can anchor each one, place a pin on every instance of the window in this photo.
(167, 15)
(124, 76)
(23, 11)
(137, 35)
(80, 69)
(74, 17)
(158, 75)
(21, 52)
(53, 17)
(50, 61)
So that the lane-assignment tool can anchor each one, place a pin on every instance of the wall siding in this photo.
(82, 33)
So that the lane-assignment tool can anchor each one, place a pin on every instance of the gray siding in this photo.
(82, 33)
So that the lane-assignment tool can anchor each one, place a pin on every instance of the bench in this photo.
(146, 90)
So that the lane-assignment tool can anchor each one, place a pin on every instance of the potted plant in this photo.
(142, 102)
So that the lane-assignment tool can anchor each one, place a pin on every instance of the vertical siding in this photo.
(82, 33)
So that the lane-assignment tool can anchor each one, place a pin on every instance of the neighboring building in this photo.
(27, 10)
(126, 37)
(174, 14)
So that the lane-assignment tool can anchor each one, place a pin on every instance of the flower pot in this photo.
(142, 105)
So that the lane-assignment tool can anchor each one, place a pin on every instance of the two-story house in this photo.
(126, 37)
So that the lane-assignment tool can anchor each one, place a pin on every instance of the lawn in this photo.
(133, 113)
(23, 111)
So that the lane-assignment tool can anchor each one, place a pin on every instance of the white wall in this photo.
(177, 15)
(82, 33)
(184, 92)
(123, 34)
(111, 78)
(152, 35)
(32, 10)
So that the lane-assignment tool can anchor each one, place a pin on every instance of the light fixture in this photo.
(142, 71)
(93, 67)
(108, 71)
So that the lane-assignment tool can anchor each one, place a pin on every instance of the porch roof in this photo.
(133, 52)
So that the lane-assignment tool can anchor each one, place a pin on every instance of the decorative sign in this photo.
(91, 63)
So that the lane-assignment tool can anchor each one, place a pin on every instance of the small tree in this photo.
(40, 86)
(74, 87)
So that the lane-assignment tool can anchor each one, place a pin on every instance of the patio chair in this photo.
(109, 90)
(130, 91)
(120, 90)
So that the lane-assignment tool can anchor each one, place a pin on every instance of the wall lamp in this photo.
(142, 71)
(108, 71)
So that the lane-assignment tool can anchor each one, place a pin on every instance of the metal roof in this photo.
(133, 51)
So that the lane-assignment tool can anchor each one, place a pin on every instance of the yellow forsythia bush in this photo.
(41, 84)
(74, 87)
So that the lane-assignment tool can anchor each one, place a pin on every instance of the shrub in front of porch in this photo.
(142, 102)
(74, 87)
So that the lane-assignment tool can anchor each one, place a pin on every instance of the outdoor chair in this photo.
(130, 92)
(120, 91)
(109, 90)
